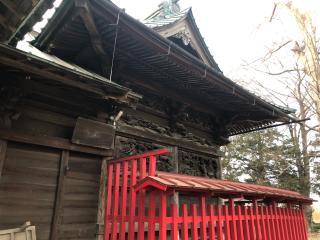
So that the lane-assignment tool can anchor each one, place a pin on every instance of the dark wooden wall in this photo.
(44, 178)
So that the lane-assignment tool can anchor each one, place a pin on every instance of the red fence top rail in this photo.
(141, 155)
(179, 182)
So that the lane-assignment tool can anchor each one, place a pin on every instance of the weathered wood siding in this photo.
(28, 187)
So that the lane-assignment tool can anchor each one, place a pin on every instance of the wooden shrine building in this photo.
(95, 85)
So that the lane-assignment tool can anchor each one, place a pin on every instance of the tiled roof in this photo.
(221, 188)
(154, 22)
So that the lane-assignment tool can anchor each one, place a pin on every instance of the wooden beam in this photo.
(54, 142)
(91, 27)
(4, 24)
(57, 214)
(33, 68)
(3, 150)
(11, 6)
(160, 89)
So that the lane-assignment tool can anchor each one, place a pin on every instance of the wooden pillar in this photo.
(3, 151)
(101, 201)
(56, 221)
(175, 158)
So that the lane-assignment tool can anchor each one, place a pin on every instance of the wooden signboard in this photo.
(92, 133)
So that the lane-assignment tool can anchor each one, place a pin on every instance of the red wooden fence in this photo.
(149, 214)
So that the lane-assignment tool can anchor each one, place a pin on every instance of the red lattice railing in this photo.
(148, 214)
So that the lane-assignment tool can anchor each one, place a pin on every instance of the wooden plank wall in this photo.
(55, 186)
(28, 187)
(80, 197)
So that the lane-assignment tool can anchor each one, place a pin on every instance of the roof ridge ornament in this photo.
(168, 8)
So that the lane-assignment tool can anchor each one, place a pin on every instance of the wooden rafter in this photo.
(11, 6)
(91, 27)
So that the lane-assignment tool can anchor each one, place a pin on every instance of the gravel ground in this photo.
(314, 236)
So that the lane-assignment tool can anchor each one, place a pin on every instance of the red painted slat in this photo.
(300, 231)
(108, 202)
(151, 215)
(234, 235)
(141, 198)
(291, 235)
(247, 233)
(132, 208)
(184, 231)
(257, 225)
(220, 231)
(268, 224)
(226, 223)
(263, 222)
(194, 228)
(162, 216)
(280, 223)
(252, 228)
(292, 223)
(284, 222)
(305, 235)
(124, 191)
(272, 221)
(296, 224)
(211, 223)
(203, 224)
(240, 224)
(276, 221)
(174, 224)
(152, 166)
(115, 205)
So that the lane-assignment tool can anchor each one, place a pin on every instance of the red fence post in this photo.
(272, 221)
(132, 204)
(234, 235)
(284, 217)
(152, 166)
(300, 226)
(258, 226)
(141, 198)
(304, 228)
(115, 202)
(203, 224)
(108, 202)
(220, 232)
(151, 215)
(276, 221)
(194, 230)
(292, 223)
(281, 222)
(174, 224)
(267, 223)
(246, 217)
(211, 224)
(288, 221)
(253, 228)
(295, 224)
(184, 231)
(124, 190)
(162, 217)
(240, 225)
(226, 223)
(263, 222)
